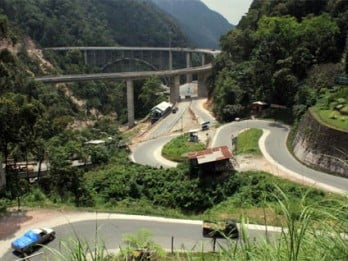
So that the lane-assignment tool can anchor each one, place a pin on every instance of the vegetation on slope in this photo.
(92, 22)
(42, 132)
(278, 53)
(332, 108)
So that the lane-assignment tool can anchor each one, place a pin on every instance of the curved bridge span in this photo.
(198, 62)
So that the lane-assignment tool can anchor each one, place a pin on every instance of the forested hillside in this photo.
(92, 22)
(201, 25)
(44, 123)
(281, 52)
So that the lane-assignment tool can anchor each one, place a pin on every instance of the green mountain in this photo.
(201, 25)
(93, 22)
(281, 52)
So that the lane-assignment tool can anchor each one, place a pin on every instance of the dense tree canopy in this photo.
(92, 22)
(271, 53)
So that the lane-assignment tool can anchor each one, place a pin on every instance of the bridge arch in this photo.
(151, 66)
(202, 71)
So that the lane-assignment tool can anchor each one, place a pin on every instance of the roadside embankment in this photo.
(321, 147)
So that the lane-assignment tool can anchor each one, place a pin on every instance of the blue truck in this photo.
(26, 243)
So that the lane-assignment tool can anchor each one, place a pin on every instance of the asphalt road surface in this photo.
(273, 147)
(110, 232)
(149, 153)
(275, 150)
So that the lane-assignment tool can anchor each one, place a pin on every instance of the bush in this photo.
(333, 105)
(4, 203)
(341, 101)
(333, 116)
(140, 246)
(344, 110)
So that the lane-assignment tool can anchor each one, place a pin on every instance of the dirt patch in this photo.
(15, 220)
(259, 163)
(249, 162)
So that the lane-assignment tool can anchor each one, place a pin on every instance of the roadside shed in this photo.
(258, 106)
(213, 162)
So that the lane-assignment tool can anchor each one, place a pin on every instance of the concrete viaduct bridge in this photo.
(162, 61)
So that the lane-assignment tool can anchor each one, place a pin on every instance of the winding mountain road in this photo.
(272, 144)
(110, 229)
(274, 149)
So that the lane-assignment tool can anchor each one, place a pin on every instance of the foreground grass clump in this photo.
(247, 142)
(178, 147)
(254, 199)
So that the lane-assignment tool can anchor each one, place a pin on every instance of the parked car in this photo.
(220, 229)
(26, 243)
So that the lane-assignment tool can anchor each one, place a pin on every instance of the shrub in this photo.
(3, 206)
(344, 110)
(341, 101)
(333, 105)
(333, 116)
(140, 246)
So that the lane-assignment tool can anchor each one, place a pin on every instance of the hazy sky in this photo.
(232, 10)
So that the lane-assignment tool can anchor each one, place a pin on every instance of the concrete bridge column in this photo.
(170, 64)
(85, 56)
(94, 62)
(130, 103)
(188, 65)
(175, 89)
(203, 59)
(202, 88)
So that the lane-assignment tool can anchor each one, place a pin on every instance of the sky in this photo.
(232, 10)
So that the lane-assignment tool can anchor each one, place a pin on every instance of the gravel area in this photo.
(16, 220)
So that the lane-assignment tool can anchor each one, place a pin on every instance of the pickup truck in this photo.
(220, 229)
(26, 243)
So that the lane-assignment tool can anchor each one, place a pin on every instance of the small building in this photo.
(259, 106)
(212, 163)
(160, 110)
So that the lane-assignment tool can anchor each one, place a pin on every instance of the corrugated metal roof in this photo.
(211, 155)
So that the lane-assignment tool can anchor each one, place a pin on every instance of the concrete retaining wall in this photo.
(321, 147)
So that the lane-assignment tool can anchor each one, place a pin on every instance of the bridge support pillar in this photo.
(170, 63)
(130, 103)
(85, 56)
(188, 65)
(175, 89)
(202, 88)
(203, 59)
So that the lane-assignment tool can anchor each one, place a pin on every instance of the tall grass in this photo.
(77, 249)
(310, 232)
(140, 246)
